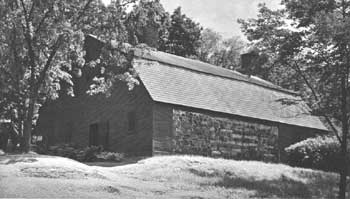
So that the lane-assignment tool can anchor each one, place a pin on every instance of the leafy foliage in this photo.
(218, 51)
(42, 47)
(309, 42)
(87, 154)
(307, 58)
(148, 23)
(273, 41)
(110, 156)
(184, 35)
(322, 152)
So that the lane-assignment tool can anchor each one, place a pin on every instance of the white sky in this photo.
(219, 15)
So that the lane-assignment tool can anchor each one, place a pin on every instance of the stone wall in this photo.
(202, 134)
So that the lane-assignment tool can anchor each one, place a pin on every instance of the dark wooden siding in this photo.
(162, 128)
(111, 116)
(289, 135)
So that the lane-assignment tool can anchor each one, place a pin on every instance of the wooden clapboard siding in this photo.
(162, 128)
(86, 110)
(289, 135)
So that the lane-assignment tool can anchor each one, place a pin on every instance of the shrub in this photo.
(322, 153)
(87, 154)
(64, 150)
(110, 156)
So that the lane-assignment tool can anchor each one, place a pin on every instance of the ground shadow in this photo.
(282, 188)
(324, 185)
(15, 160)
(125, 161)
(314, 185)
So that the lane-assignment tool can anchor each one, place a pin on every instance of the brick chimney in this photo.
(248, 62)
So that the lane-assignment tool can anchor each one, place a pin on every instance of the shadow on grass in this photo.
(323, 185)
(19, 160)
(282, 188)
(317, 184)
(125, 161)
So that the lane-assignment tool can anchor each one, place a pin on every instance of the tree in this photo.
(210, 43)
(148, 23)
(41, 46)
(220, 52)
(184, 35)
(309, 41)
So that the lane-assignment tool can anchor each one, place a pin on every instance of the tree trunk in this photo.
(27, 135)
(344, 170)
(343, 173)
(27, 131)
(345, 128)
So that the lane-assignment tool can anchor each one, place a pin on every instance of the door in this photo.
(93, 135)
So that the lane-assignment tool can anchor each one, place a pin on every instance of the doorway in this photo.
(93, 135)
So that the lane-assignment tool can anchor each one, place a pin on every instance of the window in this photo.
(131, 121)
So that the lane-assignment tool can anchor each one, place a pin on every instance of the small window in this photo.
(132, 121)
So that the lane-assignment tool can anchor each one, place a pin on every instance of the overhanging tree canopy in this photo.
(41, 46)
(308, 43)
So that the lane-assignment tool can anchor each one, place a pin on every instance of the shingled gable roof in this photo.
(180, 81)
(176, 80)
(206, 68)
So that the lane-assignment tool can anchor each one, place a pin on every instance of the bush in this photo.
(110, 156)
(87, 154)
(64, 150)
(322, 153)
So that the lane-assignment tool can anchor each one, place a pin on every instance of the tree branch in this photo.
(24, 10)
(28, 39)
(315, 95)
(55, 47)
(46, 15)
(30, 15)
(303, 75)
(81, 13)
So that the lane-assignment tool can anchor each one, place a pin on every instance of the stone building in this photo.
(183, 106)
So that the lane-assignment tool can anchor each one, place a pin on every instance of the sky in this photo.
(219, 15)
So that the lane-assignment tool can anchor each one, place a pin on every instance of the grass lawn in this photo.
(191, 177)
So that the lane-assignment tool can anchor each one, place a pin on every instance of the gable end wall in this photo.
(74, 116)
